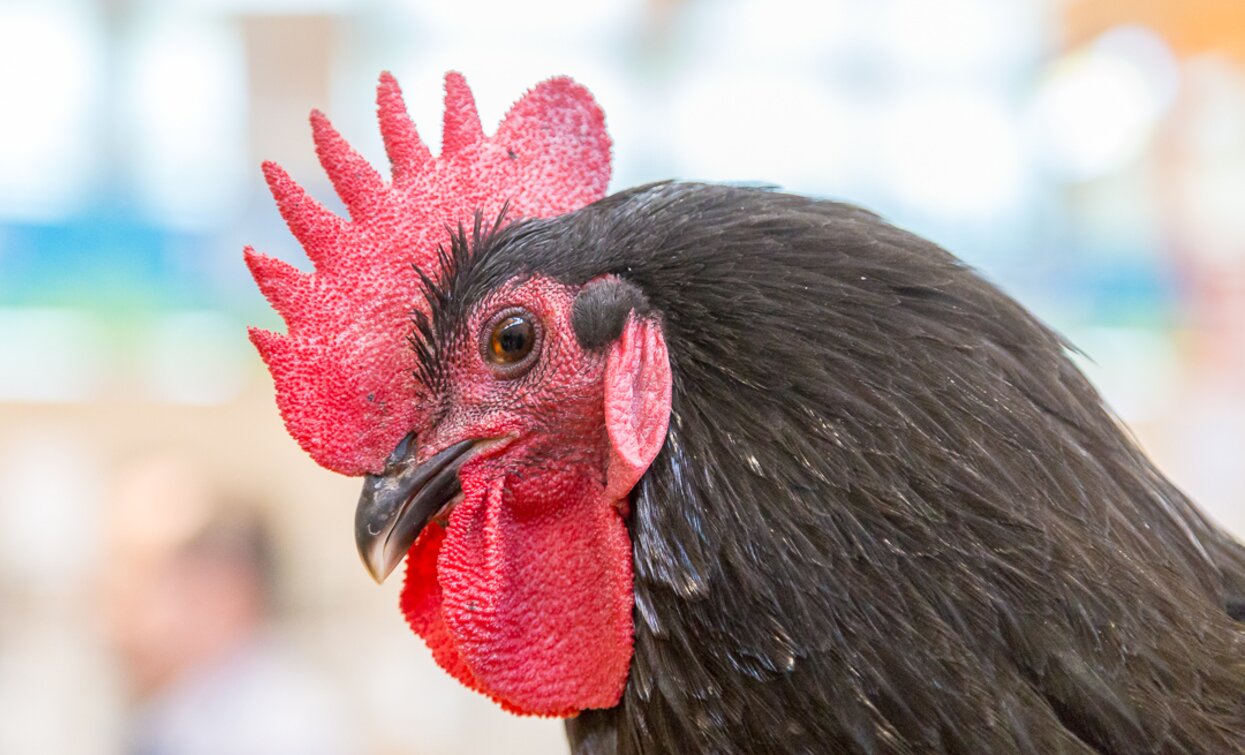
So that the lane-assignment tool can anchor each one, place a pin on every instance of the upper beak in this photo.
(396, 504)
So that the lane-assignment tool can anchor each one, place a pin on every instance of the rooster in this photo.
(703, 468)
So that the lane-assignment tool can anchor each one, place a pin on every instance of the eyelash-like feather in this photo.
(435, 332)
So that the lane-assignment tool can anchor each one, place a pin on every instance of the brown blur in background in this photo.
(177, 577)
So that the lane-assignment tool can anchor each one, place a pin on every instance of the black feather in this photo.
(434, 332)
(601, 309)
(890, 515)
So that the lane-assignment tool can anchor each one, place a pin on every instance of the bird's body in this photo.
(705, 469)
(890, 514)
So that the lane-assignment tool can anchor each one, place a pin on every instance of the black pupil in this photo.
(512, 339)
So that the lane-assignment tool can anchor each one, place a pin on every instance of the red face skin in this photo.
(525, 593)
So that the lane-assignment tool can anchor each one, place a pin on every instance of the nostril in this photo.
(402, 451)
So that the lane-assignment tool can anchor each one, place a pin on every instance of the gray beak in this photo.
(396, 504)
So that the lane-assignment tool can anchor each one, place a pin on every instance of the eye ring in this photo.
(510, 342)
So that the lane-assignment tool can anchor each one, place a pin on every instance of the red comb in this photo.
(343, 372)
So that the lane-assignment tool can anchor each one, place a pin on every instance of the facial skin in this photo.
(519, 574)
(546, 409)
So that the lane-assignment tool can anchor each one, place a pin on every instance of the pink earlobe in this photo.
(637, 402)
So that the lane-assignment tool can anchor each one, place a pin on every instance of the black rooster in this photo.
(712, 469)
(890, 515)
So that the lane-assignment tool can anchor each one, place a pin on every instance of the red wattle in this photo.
(533, 608)
(421, 604)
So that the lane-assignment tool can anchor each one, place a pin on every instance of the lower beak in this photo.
(396, 504)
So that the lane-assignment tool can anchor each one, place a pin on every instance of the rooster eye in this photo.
(511, 340)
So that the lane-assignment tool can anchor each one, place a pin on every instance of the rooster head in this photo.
(500, 433)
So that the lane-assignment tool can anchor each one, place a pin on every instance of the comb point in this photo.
(407, 152)
(272, 346)
(462, 127)
(559, 125)
(357, 183)
(320, 232)
(282, 284)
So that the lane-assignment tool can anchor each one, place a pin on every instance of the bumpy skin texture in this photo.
(343, 370)
(889, 514)
(525, 593)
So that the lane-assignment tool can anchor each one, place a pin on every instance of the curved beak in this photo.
(396, 504)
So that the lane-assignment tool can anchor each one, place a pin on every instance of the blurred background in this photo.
(177, 577)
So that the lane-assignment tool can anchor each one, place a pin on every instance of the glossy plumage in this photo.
(890, 515)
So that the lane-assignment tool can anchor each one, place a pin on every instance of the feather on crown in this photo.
(343, 371)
